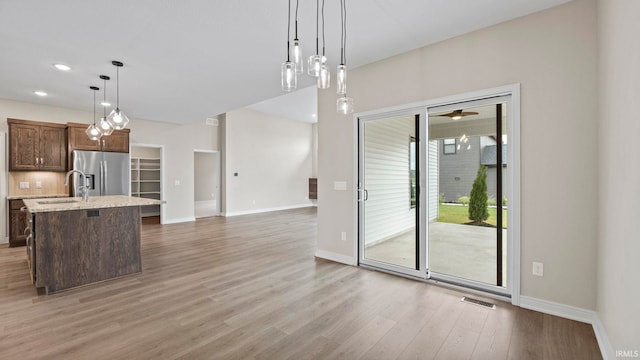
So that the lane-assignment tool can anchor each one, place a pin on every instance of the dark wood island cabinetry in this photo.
(75, 243)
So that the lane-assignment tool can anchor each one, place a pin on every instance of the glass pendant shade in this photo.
(314, 64)
(297, 56)
(344, 105)
(105, 127)
(324, 79)
(93, 132)
(289, 78)
(117, 119)
(341, 79)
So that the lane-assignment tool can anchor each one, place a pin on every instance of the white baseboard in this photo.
(572, 313)
(557, 309)
(258, 211)
(603, 340)
(178, 220)
(339, 258)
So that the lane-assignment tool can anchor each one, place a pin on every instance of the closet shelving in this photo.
(145, 182)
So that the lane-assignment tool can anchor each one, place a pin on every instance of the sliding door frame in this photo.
(421, 247)
(513, 177)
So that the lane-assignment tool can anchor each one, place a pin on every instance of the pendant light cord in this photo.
(117, 88)
(104, 99)
(344, 32)
(288, 30)
(317, 26)
(94, 107)
(323, 44)
(297, 19)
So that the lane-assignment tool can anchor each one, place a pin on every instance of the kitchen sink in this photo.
(58, 201)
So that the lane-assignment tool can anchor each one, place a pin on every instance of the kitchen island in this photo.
(73, 243)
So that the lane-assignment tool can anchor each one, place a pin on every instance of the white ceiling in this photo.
(185, 60)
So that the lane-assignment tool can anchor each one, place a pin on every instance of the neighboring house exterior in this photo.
(459, 161)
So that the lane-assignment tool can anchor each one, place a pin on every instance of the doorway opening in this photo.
(206, 187)
(147, 168)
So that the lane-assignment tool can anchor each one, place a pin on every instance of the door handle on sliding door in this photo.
(363, 195)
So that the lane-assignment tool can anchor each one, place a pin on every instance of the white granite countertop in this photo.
(76, 203)
(20, 197)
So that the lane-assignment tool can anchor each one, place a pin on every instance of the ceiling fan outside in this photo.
(458, 114)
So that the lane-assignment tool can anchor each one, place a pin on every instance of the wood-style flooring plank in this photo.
(249, 287)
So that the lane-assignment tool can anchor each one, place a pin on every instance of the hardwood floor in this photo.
(249, 288)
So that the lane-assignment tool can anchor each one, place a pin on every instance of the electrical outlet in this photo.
(24, 184)
(38, 184)
(538, 268)
(343, 236)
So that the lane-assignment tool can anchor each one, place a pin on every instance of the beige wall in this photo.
(179, 141)
(619, 225)
(552, 54)
(205, 176)
(273, 158)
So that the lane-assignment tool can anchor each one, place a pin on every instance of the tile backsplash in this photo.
(36, 183)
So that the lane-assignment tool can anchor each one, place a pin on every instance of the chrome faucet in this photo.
(84, 191)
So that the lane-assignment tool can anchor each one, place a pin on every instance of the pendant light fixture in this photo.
(313, 66)
(117, 119)
(288, 76)
(297, 49)
(344, 104)
(104, 126)
(324, 77)
(92, 131)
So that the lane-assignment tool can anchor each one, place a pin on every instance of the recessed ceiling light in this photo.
(62, 67)
(40, 93)
(313, 115)
(105, 104)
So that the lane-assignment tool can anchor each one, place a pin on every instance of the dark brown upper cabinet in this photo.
(37, 146)
(118, 141)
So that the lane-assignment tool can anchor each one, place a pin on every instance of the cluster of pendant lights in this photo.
(116, 120)
(317, 63)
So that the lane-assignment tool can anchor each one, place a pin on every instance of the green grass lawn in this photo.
(456, 214)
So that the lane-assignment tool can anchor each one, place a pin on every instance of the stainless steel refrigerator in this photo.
(107, 173)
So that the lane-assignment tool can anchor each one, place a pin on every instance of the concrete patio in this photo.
(464, 251)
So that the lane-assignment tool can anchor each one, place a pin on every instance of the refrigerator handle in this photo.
(101, 176)
(104, 179)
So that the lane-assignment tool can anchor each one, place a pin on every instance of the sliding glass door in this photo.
(389, 197)
(433, 192)
(468, 239)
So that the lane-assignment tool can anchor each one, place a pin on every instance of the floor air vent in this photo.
(478, 302)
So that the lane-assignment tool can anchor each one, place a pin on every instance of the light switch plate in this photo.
(538, 268)
(24, 184)
(340, 185)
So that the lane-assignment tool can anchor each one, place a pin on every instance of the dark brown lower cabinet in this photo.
(17, 223)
